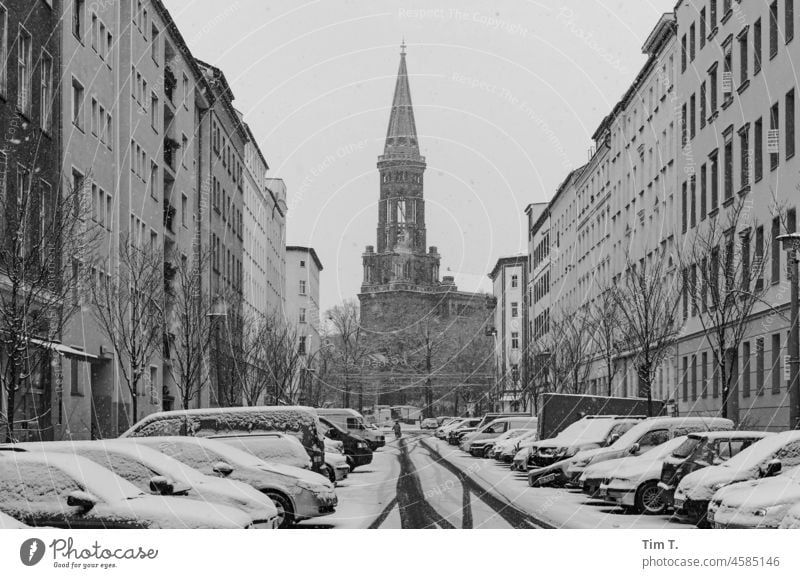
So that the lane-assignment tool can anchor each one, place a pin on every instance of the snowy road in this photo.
(422, 482)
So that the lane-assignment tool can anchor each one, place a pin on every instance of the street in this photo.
(421, 482)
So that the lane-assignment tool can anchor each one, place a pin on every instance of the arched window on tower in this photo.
(401, 212)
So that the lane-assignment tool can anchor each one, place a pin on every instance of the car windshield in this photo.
(686, 448)
(589, 429)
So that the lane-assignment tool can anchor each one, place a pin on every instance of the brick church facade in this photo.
(402, 294)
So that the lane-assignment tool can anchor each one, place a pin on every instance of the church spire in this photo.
(401, 137)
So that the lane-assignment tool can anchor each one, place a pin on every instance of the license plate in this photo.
(546, 479)
(678, 503)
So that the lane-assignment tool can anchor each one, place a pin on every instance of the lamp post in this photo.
(791, 244)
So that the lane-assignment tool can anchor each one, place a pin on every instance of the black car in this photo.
(700, 450)
(356, 449)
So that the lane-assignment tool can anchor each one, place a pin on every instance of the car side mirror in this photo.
(83, 500)
(772, 468)
(161, 485)
(222, 468)
(634, 449)
(614, 437)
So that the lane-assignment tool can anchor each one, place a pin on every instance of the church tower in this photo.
(401, 261)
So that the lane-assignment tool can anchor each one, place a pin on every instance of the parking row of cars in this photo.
(698, 468)
(261, 467)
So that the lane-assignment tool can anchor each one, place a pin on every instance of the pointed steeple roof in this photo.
(401, 137)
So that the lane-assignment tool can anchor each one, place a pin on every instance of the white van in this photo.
(497, 427)
(353, 422)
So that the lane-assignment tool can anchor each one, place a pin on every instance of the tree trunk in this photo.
(12, 391)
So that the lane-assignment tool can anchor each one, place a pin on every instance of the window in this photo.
(3, 49)
(703, 192)
(776, 251)
(714, 160)
(684, 126)
(683, 53)
(760, 366)
(685, 380)
(692, 109)
(788, 19)
(24, 71)
(703, 103)
(94, 32)
(154, 44)
(694, 378)
(154, 111)
(77, 103)
(776, 363)
(153, 180)
(302, 286)
(514, 340)
(46, 91)
(744, 152)
(758, 258)
(745, 260)
(93, 119)
(302, 315)
(757, 47)
(743, 58)
(302, 264)
(153, 384)
(684, 209)
(789, 124)
(712, 85)
(693, 199)
(727, 71)
(773, 138)
(184, 210)
(773, 29)
(728, 160)
(75, 386)
(185, 91)
(78, 7)
(514, 309)
(691, 42)
(301, 345)
(758, 150)
(746, 369)
(514, 281)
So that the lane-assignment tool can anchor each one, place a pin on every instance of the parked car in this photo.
(590, 432)
(495, 428)
(470, 424)
(155, 473)
(485, 446)
(67, 491)
(301, 422)
(761, 503)
(633, 482)
(505, 450)
(454, 437)
(9, 523)
(298, 494)
(763, 459)
(353, 423)
(700, 450)
(356, 449)
(491, 416)
(429, 423)
(444, 429)
(444, 419)
(338, 468)
(642, 437)
(270, 446)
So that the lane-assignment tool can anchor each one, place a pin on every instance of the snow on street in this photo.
(422, 482)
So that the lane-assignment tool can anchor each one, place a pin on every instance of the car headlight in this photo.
(311, 486)
(566, 452)
(717, 485)
(763, 512)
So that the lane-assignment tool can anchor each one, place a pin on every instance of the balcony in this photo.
(169, 217)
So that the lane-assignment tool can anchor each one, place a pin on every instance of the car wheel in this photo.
(487, 453)
(650, 499)
(331, 473)
(284, 507)
(350, 462)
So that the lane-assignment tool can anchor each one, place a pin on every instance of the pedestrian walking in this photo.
(397, 430)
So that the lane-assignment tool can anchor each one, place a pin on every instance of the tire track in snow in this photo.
(415, 511)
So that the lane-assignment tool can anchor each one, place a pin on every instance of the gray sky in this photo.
(507, 94)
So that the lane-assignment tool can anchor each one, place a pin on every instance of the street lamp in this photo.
(791, 244)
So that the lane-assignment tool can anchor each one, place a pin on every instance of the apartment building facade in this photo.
(738, 88)
(509, 282)
(303, 269)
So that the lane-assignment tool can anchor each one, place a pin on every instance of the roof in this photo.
(510, 260)
(401, 136)
(309, 250)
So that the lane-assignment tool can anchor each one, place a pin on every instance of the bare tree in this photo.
(350, 344)
(278, 357)
(604, 331)
(189, 325)
(723, 266)
(47, 239)
(569, 344)
(129, 307)
(538, 379)
(648, 298)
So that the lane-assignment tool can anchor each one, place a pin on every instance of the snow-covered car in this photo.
(495, 428)
(301, 422)
(642, 437)
(763, 459)
(791, 521)
(445, 429)
(338, 468)
(633, 482)
(9, 523)
(429, 423)
(454, 437)
(700, 450)
(761, 503)
(485, 446)
(155, 473)
(593, 431)
(334, 446)
(68, 491)
(298, 494)
(505, 450)
(270, 446)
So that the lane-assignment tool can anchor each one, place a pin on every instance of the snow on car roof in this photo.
(232, 455)
(712, 435)
(756, 453)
